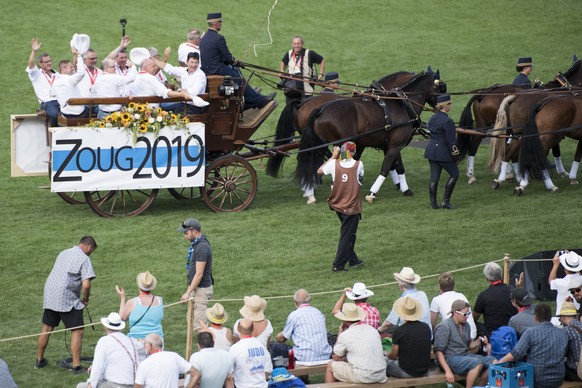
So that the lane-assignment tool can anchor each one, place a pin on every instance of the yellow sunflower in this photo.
(143, 127)
(125, 116)
(125, 123)
(131, 105)
(109, 119)
(101, 124)
(139, 107)
(186, 120)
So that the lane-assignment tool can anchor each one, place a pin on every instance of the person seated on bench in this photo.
(452, 344)
(357, 356)
(192, 79)
(359, 294)
(411, 342)
(67, 86)
(111, 84)
(146, 84)
(305, 326)
(42, 81)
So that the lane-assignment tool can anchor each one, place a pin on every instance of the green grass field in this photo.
(279, 244)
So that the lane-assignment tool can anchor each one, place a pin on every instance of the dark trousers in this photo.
(53, 109)
(181, 108)
(252, 98)
(437, 167)
(345, 249)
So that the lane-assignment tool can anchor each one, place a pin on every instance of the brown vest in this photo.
(345, 196)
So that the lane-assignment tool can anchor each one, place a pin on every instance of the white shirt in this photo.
(214, 366)
(220, 341)
(251, 360)
(146, 84)
(186, 48)
(442, 304)
(87, 84)
(42, 83)
(116, 359)
(161, 77)
(67, 86)
(562, 285)
(263, 337)
(329, 169)
(194, 83)
(112, 85)
(161, 370)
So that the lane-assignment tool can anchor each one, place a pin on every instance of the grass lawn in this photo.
(279, 244)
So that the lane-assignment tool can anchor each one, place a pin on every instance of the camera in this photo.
(123, 22)
(560, 253)
(228, 88)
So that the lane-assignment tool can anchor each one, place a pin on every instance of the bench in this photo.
(571, 384)
(435, 376)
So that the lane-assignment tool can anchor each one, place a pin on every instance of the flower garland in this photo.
(141, 118)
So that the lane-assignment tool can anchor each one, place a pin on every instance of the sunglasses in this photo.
(575, 290)
(464, 314)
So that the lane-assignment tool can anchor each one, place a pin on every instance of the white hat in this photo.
(571, 261)
(575, 282)
(113, 322)
(197, 101)
(407, 275)
(359, 291)
(138, 54)
(81, 42)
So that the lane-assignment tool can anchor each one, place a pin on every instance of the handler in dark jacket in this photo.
(524, 67)
(441, 152)
(217, 59)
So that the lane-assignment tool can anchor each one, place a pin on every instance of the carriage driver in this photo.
(441, 152)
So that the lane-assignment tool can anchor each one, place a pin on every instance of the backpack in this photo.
(502, 341)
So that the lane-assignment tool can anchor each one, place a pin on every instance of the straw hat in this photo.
(113, 322)
(408, 308)
(254, 308)
(567, 310)
(146, 281)
(351, 313)
(216, 314)
(407, 275)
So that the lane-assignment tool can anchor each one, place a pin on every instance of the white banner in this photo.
(88, 159)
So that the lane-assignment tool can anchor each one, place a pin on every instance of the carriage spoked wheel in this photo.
(73, 198)
(185, 193)
(231, 184)
(120, 203)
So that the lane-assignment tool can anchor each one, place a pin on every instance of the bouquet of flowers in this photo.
(140, 118)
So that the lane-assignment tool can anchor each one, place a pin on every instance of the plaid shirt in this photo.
(372, 314)
(574, 343)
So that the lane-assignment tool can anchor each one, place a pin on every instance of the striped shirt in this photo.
(306, 328)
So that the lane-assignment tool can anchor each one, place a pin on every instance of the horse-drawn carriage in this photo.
(213, 144)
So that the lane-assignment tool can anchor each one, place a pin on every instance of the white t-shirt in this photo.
(251, 360)
(442, 304)
(329, 168)
(562, 285)
(161, 370)
(214, 366)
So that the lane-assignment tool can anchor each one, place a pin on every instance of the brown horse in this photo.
(295, 115)
(550, 120)
(514, 112)
(367, 124)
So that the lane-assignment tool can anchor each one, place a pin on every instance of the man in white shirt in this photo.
(251, 360)
(116, 357)
(214, 365)
(192, 79)
(66, 86)
(42, 81)
(146, 84)
(441, 304)
(572, 263)
(92, 72)
(119, 55)
(162, 368)
(112, 85)
(190, 46)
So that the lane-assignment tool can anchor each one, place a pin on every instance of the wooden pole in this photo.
(189, 319)
(506, 268)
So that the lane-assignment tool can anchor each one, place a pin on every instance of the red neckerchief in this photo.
(92, 75)
(496, 282)
(519, 310)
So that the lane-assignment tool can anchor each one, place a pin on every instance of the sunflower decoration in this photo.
(140, 118)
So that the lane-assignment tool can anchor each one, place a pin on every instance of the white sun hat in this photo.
(197, 101)
(81, 42)
(138, 54)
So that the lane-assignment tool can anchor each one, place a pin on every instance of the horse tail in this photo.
(466, 122)
(532, 157)
(497, 153)
(309, 161)
(285, 129)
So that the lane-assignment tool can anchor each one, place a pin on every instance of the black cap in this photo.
(332, 76)
(189, 224)
(525, 61)
(214, 17)
(521, 296)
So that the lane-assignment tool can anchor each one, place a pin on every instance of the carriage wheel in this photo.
(185, 193)
(117, 203)
(73, 198)
(231, 184)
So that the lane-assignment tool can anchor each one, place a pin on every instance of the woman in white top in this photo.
(222, 335)
(254, 309)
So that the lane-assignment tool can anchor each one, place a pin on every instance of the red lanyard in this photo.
(92, 75)
(50, 79)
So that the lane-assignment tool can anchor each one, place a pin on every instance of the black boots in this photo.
(449, 187)
(432, 192)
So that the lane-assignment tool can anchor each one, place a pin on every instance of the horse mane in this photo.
(414, 79)
(393, 75)
(572, 69)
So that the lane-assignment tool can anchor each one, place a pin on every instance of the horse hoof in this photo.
(554, 189)
(311, 200)
(472, 180)
(573, 181)
(408, 193)
(564, 174)
(518, 191)
(495, 184)
(370, 198)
